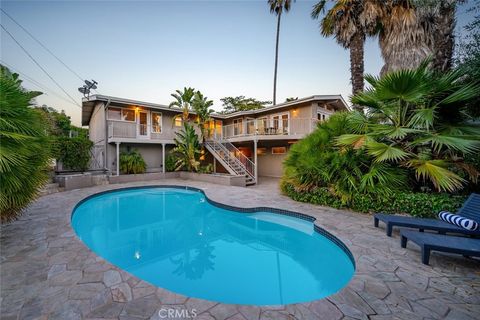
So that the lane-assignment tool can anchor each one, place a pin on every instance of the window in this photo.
(237, 127)
(128, 115)
(322, 116)
(261, 151)
(114, 114)
(178, 122)
(156, 122)
(121, 114)
(262, 125)
(279, 150)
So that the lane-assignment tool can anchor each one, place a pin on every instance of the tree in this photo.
(183, 100)
(349, 21)
(187, 148)
(60, 123)
(415, 120)
(467, 57)
(277, 7)
(25, 146)
(413, 30)
(201, 105)
(443, 37)
(240, 103)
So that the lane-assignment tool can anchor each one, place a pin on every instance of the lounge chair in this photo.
(436, 242)
(470, 209)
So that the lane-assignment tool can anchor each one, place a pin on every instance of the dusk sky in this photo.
(147, 50)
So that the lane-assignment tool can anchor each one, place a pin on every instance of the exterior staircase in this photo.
(232, 159)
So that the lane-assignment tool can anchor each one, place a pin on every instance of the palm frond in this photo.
(458, 143)
(383, 152)
(436, 171)
(354, 140)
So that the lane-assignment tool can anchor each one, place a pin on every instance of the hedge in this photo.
(425, 205)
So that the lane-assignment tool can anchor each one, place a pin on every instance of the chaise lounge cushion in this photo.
(457, 220)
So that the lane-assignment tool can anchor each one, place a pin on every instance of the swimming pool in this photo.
(177, 239)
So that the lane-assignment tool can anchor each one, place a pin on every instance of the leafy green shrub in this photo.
(25, 147)
(206, 169)
(170, 161)
(187, 149)
(74, 153)
(425, 205)
(415, 120)
(132, 162)
(316, 162)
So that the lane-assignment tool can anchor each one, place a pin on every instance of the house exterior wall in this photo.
(96, 128)
(271, 165)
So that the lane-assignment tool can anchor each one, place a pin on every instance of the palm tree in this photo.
(187, 148)
(349, 21)
(183, 100)
(201, 105)
(443, 35)
(415, 120)
(277, 7)
(412, 30)
(25, 150)
(405, 35)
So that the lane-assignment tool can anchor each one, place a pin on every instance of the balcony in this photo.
(269, 128)
(125, 131)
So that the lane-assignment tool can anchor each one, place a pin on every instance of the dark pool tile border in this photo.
(294, 214)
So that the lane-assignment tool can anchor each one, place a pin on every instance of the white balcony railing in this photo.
(132, 130)
(256, 127)
(268, 127)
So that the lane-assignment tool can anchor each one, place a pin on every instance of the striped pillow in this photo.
(457, 220)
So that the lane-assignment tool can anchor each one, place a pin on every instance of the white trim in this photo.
(147, 135)
(151, 121)
(280, 120)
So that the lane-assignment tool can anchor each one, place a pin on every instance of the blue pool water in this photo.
(175, 239)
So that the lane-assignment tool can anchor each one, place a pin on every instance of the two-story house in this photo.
(251, 143)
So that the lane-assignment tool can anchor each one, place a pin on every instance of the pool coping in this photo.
(289, 213)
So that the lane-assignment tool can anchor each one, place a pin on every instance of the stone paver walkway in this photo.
(48, 273)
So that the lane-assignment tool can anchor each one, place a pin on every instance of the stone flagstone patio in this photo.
(48, 273)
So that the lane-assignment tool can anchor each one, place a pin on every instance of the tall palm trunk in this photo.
(276, 61)
(444, 37)
(356, 62)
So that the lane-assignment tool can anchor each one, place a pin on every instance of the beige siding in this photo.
(96, 128)
(270, 165)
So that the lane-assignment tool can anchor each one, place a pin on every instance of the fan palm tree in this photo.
(414, 119)
(25, 146)
(277, 7)
(188, 148)
(201, 105)
(183, 100)
(349, 21)
(405, 35)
